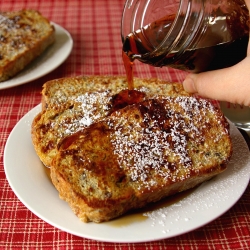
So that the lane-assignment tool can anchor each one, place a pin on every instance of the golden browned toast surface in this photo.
(70, 104)
(140, 154)
(112, 150)
(24, 35)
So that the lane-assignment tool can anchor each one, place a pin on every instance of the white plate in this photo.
(29, 181)
(49, 60)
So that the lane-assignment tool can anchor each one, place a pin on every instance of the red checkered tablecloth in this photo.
(95, 28)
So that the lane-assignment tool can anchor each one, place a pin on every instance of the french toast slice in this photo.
(141, 154)
(57, 92)
(71, 104)
(24, 35)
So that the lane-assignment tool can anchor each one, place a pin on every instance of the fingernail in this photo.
(188, 85)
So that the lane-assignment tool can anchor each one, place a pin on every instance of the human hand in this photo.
(230, 84)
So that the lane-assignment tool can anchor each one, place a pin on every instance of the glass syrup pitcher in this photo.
(190, 35)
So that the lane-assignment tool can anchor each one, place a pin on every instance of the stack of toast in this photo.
(106, 159)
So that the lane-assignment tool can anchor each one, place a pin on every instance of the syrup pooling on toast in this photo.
(126, 97)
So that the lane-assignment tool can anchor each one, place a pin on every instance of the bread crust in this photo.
(24, 35)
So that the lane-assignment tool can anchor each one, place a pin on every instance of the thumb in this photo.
(229, 84)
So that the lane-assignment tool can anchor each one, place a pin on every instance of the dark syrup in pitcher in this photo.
(203, 58)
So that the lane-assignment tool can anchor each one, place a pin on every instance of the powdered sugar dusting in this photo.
(140, 150)
(8, 23)
(88, 108)
(150, 143)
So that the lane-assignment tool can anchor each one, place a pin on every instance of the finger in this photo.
(229, 84)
